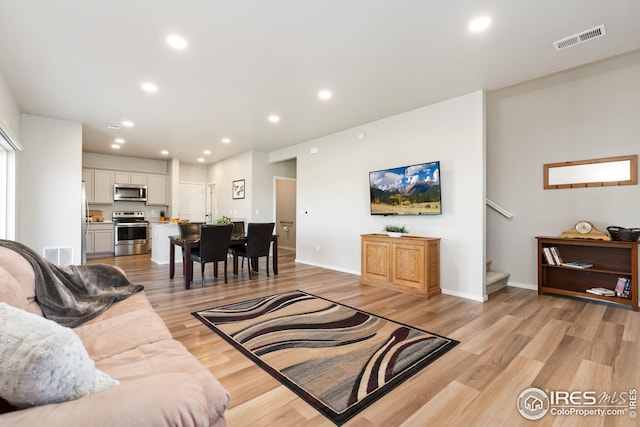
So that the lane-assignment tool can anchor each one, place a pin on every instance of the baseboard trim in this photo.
(523, 286)
(328, 267)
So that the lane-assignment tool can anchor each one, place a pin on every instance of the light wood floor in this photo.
(514, 341)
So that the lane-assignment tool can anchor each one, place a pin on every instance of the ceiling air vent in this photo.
(582, 37)
(113, 126)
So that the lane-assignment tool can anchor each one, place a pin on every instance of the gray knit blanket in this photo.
(72, 295)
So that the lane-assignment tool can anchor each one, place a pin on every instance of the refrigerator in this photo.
(84, 211)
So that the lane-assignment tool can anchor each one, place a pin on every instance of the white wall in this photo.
(9, 110)
(333, 186)
(258, 172)
(50, 176)
(586, 113)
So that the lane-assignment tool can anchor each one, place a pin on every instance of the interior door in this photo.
(191, 201)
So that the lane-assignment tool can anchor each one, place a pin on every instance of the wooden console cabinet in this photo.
(409, 264)
(610, 259)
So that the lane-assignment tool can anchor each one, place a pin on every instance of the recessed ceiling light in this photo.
(115, 146)
(325, 94)
(120, 140)
(164, 152)
(207, 152)
(274, 119)
(176, 42)
(226, 140)
(127, 123)
(200, 159)
(149, 87)
(479, 24)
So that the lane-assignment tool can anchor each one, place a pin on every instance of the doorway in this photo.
(212, 204)
(285, 207)
(191, 201)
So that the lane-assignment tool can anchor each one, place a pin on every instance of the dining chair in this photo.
(238, 230)
(214, 246)
(258, 244)
(188, 228)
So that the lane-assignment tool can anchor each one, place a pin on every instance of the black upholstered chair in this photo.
(238, 230)
(214, 247)
(188, 229)
(258, 244)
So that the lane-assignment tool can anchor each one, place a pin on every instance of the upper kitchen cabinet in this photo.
(130, 178)
(98, 185)
(157, 189)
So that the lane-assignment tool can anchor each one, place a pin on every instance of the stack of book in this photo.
(552, 256)
(602, 291)
(623, 287)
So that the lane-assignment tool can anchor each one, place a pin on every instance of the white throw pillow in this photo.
(43, 362)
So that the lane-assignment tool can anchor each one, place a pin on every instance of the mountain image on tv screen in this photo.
(408, 190)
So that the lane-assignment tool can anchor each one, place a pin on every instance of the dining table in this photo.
(189, 243)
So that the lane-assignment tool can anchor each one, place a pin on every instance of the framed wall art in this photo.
(238, 189)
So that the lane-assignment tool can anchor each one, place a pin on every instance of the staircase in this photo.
(496, 280)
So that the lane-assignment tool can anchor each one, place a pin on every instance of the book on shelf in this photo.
(576, 264)
(602, 292)
(551, 255)
(548, 257)
(621, 285)
(626, 293)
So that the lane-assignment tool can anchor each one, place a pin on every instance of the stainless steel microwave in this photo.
(130, 192)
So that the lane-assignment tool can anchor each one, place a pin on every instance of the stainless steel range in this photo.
(131, 233)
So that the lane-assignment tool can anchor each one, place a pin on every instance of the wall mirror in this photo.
(622, 170)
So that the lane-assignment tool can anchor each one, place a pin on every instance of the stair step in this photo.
(496, 280)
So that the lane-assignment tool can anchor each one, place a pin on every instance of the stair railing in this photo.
(496, 207)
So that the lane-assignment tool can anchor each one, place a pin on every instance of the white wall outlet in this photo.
(257, 211)
(317, 248)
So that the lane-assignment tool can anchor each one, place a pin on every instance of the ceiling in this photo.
(84, 61)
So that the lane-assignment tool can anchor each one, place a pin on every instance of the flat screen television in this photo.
(407, 190)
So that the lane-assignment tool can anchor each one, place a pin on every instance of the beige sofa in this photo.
(161, 383)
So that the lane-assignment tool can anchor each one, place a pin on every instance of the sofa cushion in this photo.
(42, 362)
(164, 357)
(18, 267)
(10, 290)
(126, 325)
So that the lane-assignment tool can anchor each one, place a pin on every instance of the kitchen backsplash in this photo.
(151, 213)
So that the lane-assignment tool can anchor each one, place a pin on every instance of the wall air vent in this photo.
(582, 37)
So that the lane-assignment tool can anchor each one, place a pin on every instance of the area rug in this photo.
(335, 357)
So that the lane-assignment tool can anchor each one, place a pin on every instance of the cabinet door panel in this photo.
(408, 265)
(103, 186)
(103, 241)
(377, 263)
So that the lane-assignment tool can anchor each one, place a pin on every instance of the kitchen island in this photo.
(160, 232)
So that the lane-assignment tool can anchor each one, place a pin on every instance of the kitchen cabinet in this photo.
(100, 239)
(408, 264)
(123, 177)
(98, 185)
(157, 189)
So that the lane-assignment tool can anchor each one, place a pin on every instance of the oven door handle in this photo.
(132, 225)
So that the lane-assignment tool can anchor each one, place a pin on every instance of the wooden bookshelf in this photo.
(610, 259)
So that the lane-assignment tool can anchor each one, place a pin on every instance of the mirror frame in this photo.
(633, 172)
